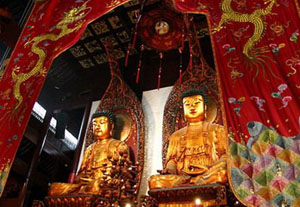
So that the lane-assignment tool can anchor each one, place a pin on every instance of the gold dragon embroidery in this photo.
(76, 14)
(256, 18)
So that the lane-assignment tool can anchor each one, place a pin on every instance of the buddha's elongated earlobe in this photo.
(112, 129)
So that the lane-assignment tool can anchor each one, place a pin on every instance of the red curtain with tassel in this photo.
(256, 47)
(52, 27)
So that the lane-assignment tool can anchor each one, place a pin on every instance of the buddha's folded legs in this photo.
(63, 188)
(216, 174)
(167, 181)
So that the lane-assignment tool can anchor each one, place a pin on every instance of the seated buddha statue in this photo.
(99, 159)
(196, 153)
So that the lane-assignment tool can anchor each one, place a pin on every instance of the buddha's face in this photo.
(193, 107)
(102, 127)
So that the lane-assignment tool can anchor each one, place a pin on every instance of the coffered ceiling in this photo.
(81, 74)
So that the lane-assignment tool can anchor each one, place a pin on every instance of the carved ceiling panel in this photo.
(116, 27)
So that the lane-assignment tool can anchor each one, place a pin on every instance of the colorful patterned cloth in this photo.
(266, 172)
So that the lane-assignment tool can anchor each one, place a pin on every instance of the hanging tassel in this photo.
(139, 65)
(182, 39)
(158, 83)
(180, 76)
(138, 71)
(138, 16)
(138, 75)
(180, 66)
(191, 57)
(160, 69)
(181, 51)
(127, 55)
(134, 39)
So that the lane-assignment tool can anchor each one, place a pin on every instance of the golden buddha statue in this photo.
(100, 160)
(196, 153)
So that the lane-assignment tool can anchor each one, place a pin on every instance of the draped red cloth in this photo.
(257, 63)
(52, 27)
(256, 48)
(256, 52)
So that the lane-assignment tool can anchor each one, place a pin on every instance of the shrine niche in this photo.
(117, 180)
(194, 140)
(199, 75)
(257, 66)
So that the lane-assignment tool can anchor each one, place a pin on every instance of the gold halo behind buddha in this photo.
(212, 110)
(123, 126)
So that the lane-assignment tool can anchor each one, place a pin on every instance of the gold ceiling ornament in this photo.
(161, 29)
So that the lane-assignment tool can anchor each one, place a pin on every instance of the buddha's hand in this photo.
(166, 171)
(169, 168)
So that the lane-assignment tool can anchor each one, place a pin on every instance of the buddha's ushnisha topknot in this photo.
(109, 114)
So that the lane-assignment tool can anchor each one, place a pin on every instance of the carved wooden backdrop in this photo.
(198, 75)
(129, 126)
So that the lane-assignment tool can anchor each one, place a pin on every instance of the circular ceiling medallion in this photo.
(161, 29)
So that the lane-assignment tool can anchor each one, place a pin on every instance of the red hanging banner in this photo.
(256, 48)
(52, 27)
